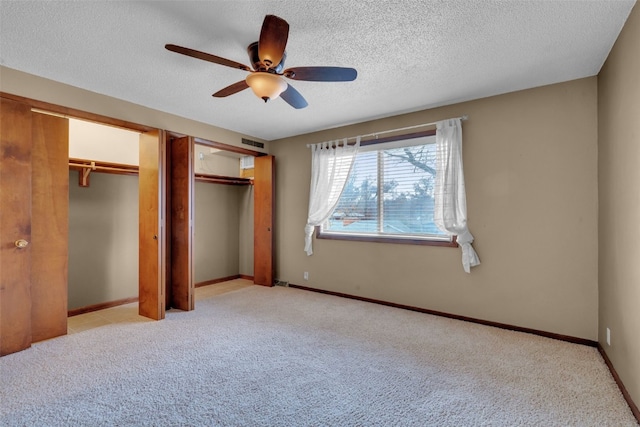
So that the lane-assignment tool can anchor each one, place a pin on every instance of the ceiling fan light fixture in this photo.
(266, 85)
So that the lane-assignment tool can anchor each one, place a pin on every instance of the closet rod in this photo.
(133, 170)
(463, 118)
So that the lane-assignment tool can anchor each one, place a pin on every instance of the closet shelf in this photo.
(219, 179)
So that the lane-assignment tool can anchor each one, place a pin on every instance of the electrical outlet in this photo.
(608, 336)
(201, 156)
(306, 275)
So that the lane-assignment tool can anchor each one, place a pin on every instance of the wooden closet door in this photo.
(34, 192)
(182, 216)
(49, 226)
(15, 226)
(152, 230)
(264, 208)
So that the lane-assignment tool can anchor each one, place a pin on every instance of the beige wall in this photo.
(531, 174)
(103, 239)
(619, 192)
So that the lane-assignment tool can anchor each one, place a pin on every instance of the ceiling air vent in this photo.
(252, 143)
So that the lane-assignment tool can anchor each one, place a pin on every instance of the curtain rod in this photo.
(463, 118)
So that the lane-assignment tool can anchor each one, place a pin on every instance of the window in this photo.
(389, 194)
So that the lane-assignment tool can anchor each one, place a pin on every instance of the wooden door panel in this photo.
(182, 211)
(15, 224)
(49, 226)
(152, 239)
(264, 207)
(167, 222)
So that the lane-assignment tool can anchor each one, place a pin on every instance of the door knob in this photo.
(21, 244)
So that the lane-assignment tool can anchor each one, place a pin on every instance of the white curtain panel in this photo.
(331, 164)
(450, 207)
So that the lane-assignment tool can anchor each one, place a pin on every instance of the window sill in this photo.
(381, 239)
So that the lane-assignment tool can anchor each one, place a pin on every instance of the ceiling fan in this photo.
(267, 59)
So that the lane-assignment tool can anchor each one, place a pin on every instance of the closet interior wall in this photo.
(103, 239)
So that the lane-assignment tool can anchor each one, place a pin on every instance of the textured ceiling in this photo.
(410, 55)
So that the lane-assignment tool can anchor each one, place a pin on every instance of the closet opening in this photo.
(223, 227)
(103, 220)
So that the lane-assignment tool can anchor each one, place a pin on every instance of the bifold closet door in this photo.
(15, 226)
(264, 208)
(182, 218)
(152, 229)
(49, 226)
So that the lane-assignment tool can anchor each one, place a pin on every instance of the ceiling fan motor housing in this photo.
(252, 50)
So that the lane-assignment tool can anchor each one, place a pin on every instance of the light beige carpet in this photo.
(286, 357)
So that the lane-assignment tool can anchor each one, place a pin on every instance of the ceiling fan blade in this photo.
(293, 98)
(321, 74)
(206, 56)
(231, 89)
(273, 40)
